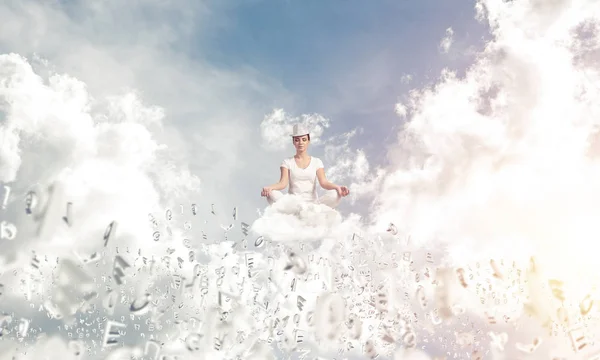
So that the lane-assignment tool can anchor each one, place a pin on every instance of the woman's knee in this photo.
(333, 195)
(331, 198)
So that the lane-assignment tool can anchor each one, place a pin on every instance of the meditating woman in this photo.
(302, 172)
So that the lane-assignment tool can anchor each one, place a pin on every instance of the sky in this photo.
(466, 131)
(348, 61)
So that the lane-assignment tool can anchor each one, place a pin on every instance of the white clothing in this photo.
(303, 182)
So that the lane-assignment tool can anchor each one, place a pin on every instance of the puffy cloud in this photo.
(292, 220)
(276, 127)
(498, 164)
(108, 169)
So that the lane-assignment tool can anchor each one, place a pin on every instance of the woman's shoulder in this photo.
(286, 162)
(317, 161)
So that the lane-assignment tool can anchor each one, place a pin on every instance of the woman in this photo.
(302, 172)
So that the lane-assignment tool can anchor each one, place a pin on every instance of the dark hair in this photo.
(307, 135)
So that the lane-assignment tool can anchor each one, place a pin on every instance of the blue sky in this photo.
(324, 52)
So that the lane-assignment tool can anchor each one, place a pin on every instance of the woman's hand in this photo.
(266, 191)
(342, 191)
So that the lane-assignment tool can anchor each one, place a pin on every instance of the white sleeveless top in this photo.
(303, 182)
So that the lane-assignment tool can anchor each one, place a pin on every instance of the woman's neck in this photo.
(302, 155)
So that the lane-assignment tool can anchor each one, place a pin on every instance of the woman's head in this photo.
(301, 142)
(300, 138)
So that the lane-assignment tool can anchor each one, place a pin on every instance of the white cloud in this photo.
(447, 41)
(110, 169)
(406, 78)
(129, 126)
(291, 220)
(401, 110)
(128, 107)
(350, 166)
(345, 161)
(277, 126)
(498, 162)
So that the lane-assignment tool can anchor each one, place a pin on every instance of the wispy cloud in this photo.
(447, 41)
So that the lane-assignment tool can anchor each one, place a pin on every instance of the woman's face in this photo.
(301, 142)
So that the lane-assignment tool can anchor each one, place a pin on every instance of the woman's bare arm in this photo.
(283, 180)
(325, 184)
(328, 185)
